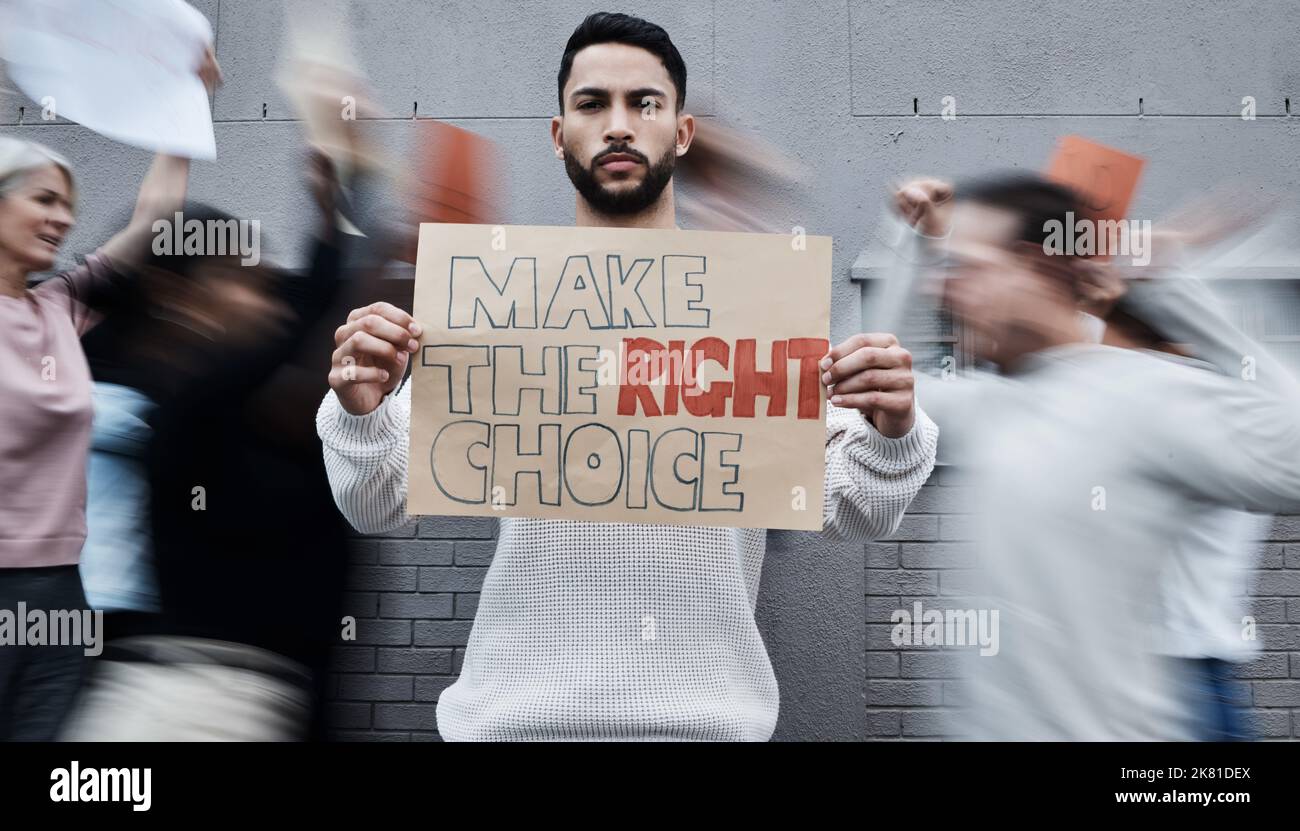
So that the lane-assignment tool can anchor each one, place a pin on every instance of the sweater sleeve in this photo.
(365, 459)
(871, 479)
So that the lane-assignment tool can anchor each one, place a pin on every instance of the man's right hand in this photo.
(371, 354)
(925, 204)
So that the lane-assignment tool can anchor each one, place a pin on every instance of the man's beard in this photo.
(625, 201)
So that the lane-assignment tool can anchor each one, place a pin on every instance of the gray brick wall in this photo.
(413, 593)
(852, 89)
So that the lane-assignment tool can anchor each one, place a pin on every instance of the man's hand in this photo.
(873, 374)
(925, 204)
(372, 352)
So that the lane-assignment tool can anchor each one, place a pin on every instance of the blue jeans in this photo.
(116, 561)
(1209, 689)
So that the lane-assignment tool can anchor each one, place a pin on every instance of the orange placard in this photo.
(455, 178)
(1105, 178)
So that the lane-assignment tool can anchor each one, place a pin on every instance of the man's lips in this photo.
(49, 239)
(619, 162)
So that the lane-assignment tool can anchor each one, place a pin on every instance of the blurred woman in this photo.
(46, 411)
(45, 406)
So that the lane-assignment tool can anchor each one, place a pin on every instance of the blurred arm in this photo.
(909, 254)
(1235, 436)
(162, 194)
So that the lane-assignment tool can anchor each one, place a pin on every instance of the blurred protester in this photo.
(1202, 606)
(45, 405)
(1087, 458)
(250, 552)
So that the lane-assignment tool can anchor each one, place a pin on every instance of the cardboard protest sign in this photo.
(1105, 178)
(620, 375)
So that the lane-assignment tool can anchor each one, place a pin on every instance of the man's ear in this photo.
(557, 135)
(685, 133)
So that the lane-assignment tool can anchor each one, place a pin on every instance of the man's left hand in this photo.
(871, 373)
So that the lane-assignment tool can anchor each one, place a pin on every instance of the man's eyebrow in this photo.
(595, 92)
(647, 92)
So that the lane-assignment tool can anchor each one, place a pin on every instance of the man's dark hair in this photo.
(1033, 199)
(611, 27)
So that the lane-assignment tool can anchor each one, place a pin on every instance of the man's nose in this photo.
(619, 130)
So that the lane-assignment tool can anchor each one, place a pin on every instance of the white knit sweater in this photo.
(595, 631)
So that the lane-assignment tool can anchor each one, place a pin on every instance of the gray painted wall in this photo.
(833, 85)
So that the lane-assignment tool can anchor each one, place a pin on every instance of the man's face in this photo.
(620, 134)
(998, 288)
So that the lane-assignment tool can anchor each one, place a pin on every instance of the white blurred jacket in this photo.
(1087, 466)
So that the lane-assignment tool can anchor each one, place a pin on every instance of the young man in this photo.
(556, 651)
(1088, 461)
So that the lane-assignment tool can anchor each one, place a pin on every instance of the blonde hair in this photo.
(18, 158)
